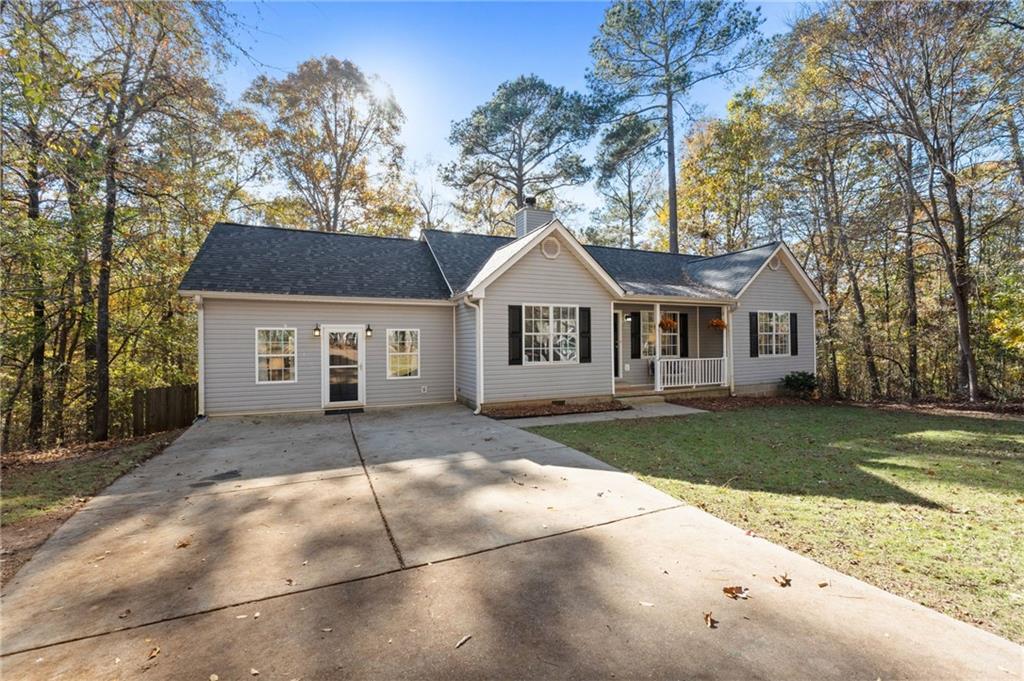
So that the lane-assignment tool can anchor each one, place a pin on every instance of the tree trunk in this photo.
(874, 384)
(910, 273)
(87, 307)
(1018, 154)
(670, 143)
(958, 271)
(101, 415)
(37, 390)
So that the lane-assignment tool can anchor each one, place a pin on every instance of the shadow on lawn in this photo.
(842, 452)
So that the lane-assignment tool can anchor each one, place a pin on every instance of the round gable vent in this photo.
(550, 248)
(774, 263)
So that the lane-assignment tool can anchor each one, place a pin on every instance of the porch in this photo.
(660, 348)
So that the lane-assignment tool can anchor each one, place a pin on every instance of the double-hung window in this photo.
(550, 334)
(275, 355)
(403, 353)
(772, 333)
(670, 334)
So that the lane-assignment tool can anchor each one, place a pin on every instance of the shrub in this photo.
(800, 383)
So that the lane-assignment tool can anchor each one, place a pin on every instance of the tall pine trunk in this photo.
(958, 271)
(670, 143)
(101, 415)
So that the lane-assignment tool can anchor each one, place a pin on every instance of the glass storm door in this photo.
(343, 360)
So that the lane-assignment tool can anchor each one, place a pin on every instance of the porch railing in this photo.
(688, 373)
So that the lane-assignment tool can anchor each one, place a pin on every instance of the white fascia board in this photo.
(676, 300)
(285, 297)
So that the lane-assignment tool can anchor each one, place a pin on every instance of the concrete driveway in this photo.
(369, 546)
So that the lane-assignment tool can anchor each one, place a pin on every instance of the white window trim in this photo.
(657, 335)
(678, 334)
(774, 355)
(387, 353)
(551, 335)
(294, 355)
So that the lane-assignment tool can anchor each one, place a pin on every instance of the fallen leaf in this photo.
(327, 630)
(783, 580)
(710, 621)
(183, 543)
(289, 581)
(646, 604)
(822, 585)
(254, 672)
(736, 592)
(256, 616)
(751, 533)
(153, 653)
(127, 611)
(214, 677)
(240, 617)
(463, 640)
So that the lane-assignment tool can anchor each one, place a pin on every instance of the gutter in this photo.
(479, 307)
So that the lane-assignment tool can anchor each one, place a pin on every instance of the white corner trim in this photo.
(201, 347)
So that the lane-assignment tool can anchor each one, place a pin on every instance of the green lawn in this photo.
(929, 507)
(36, 489)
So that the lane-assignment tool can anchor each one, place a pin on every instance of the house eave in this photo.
(284, 297)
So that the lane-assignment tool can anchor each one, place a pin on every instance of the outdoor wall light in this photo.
(369, 331)
(316, 331)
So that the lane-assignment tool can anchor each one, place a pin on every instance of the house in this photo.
(293, 320)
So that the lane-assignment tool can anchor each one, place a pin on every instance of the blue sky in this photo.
(443, 59)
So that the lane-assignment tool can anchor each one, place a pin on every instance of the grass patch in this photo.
(929, 507)
(32, 489)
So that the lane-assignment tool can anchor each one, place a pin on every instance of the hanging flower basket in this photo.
(668, 324)
(717, 323)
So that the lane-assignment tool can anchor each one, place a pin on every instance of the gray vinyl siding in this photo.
(536, 280)
(230, 355)
(465, 343)
(775, 291)
(698, 333)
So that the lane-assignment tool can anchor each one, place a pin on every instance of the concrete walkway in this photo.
(369, 547)
(640, 410)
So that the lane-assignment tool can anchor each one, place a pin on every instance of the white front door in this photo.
(342, 364)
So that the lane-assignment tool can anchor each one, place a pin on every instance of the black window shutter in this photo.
(515, 334)
(585, 335)
(634, 335)
(684, 335)
(792, 333)
(753, 334)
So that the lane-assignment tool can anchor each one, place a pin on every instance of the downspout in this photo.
(202, 356)
(479, 353)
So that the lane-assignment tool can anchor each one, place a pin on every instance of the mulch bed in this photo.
(526, 411)
(739, 402)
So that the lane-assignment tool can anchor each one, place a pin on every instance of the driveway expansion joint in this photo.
(376, 499)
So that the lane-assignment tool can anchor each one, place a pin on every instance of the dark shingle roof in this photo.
(729, 272)
(249, 259)
(653, 273)
(461, 254)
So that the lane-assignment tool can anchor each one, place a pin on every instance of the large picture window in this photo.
(275, 355)
(670, 334)
(772, 333)
(403, 353)
(550, 334)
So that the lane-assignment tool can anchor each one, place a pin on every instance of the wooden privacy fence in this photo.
(158, 409)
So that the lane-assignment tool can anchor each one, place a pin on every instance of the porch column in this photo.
(657, 346)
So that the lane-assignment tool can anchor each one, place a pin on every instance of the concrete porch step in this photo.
(641, 399)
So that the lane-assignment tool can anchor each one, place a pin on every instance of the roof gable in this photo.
(508, 254)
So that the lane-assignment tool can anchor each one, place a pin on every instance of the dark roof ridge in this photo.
(285, 228)
(742, 250)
